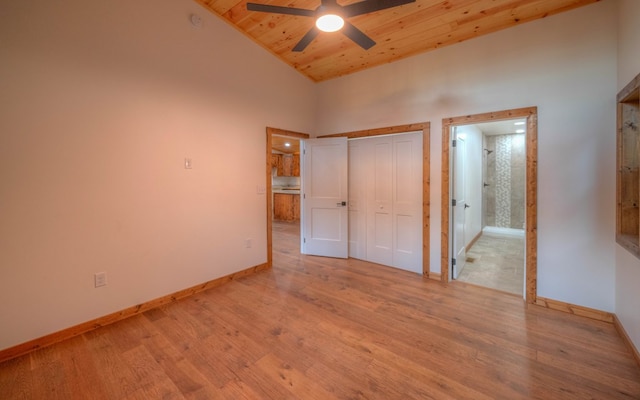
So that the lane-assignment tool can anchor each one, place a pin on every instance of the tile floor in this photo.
(496, 262)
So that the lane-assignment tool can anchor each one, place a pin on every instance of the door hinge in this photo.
(453, 143)
(453, 202)
(453, 261)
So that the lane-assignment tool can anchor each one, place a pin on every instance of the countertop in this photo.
(286, 190)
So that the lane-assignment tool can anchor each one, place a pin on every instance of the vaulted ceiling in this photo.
(399, 32)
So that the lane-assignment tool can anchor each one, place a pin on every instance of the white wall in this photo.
(563, 64)
(101, 102)
(628, 266)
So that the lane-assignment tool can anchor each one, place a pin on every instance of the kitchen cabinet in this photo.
(276, 159)
(286, 207)
(291, 165)
(295, 169)
(286, 164)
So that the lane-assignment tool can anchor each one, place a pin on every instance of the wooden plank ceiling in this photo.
(279, 143)
(399, 32)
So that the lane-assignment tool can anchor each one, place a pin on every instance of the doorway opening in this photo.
(499, 202)
(488, 185)
(283, 186)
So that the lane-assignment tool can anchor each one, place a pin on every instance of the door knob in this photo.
(466, 205)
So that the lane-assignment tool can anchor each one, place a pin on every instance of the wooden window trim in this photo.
(628, 167)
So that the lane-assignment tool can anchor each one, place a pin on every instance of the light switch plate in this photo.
(100, 279)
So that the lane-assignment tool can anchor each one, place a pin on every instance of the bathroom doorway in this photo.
(495, 247)
(500, 200)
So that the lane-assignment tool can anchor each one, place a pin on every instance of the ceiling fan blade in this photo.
(280, 10)
(306, 39)
(357, 36)
(368, 6)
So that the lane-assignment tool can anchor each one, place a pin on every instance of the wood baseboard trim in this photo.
(48, 340)
(574, 309)
(626, 338)
(435, 276)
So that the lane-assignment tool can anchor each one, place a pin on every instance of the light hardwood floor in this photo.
(318, 328)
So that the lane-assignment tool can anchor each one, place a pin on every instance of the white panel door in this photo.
(358, 173)
(325, 226)
(407, 202)
(459, 209)
(380, 202)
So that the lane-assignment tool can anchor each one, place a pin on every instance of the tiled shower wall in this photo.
(504, 178)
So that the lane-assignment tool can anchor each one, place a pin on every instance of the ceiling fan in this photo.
(330, 18)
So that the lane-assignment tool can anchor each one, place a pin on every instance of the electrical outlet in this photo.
(100, 279)
(247, 243)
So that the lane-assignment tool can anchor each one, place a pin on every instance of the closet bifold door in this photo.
(407, 202)
(380, 202)
(385, 200)
(358, 171)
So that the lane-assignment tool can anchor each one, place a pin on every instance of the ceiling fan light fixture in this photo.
(330, 23)
(330, 18)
